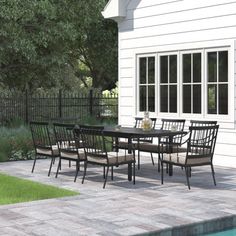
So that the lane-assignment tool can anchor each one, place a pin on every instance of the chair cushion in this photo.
(181, 158)
(147, 147)
(154, 148)
(48, 152)
(123, 145)
(112, 159)
(72, 155)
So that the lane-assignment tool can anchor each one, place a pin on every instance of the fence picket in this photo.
(44, 106)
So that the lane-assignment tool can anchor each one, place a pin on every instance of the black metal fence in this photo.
(57, 106)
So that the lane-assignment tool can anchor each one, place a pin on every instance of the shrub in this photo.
(15, 143)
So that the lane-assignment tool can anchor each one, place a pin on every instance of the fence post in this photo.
(60, 103)
(91, 102)
(26, 107)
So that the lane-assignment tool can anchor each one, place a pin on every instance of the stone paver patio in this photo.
(122, 208)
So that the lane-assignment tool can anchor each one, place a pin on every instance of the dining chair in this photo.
(68, 148)
(44, 142)
(200, 151)
(96, 151)
(142, 141)
(202, 123)
(164, 142)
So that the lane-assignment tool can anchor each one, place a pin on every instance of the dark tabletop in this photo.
(137, 132)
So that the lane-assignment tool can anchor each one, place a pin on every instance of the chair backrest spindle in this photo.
(93, 140)
(175, 125)
(202, 140)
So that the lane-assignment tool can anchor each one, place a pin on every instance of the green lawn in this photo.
(14, 190)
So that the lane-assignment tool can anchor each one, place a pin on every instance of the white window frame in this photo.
(188, 116)
(167, 114)
(195, 115)
(230, 85)
(138, 112)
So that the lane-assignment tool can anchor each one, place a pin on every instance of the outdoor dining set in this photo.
(111, 147)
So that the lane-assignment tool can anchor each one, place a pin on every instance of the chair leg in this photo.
(112, 173)
(49, 171)
(162, 175)
(104, 170)
(138, 159)
(58, 167)
(167, 168)
(134, 173)
(104, 185)
(152, 159)
(213, 174)
(54, 159)
(187, 176)
(158, 164)
(77, 171)
(190, 172)
(85, 168)
(35, 158)
(69, 163)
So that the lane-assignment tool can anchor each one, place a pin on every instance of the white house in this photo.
(177, 59)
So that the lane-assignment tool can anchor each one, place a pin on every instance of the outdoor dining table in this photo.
(136, 133)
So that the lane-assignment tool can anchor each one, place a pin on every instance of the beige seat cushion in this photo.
(147, 147)
(150, 147)
(48, 152)
(112, 159)
(181, 158)
(72, 155)
(123, 145)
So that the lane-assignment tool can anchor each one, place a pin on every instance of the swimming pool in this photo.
(231, 232)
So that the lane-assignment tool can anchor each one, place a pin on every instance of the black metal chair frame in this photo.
(42, 140)
(176, 142)
(67, 146)
(200, 144)
(94, 142)
(202, 123)
(138, 124)
(172, 124)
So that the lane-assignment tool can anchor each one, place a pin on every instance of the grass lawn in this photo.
(14, 190)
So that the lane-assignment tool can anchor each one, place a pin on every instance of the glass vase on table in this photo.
(146, 122)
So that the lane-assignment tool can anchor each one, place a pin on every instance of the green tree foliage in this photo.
(43, 43)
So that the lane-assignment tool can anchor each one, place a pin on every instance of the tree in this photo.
(99, 47)
(43, 42)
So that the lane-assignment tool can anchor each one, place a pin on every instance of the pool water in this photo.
(231, 232)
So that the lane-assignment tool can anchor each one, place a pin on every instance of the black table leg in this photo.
(170, 166)
(129, 165)
(170, 169)
(130, 172)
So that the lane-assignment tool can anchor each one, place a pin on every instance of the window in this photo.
(188, 83)
(147, 84)
(192, 83)
(217, 82)
(168, 83)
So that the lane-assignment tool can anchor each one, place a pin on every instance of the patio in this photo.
(123, 208)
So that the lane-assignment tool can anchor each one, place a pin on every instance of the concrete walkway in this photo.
(122, 208)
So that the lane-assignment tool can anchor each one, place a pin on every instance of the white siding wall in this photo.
(153, 26)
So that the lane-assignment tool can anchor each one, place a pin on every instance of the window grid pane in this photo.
(147, 84)
(192, 83)
(217, 92)
(168, 83)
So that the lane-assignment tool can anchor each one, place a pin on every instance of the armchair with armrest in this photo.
(142, 141)
(200, 151)
(95, 148)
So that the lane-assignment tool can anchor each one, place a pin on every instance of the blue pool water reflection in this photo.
(231, 232)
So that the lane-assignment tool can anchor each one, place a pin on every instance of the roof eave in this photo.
(115, 10)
